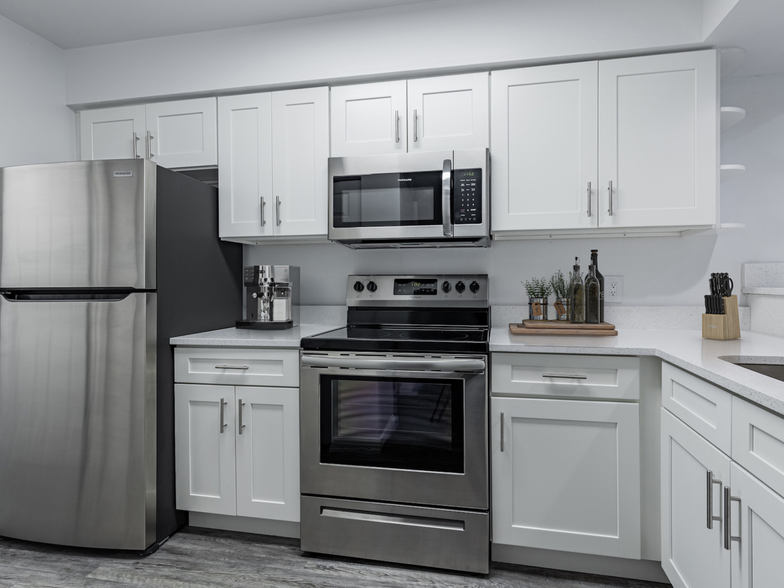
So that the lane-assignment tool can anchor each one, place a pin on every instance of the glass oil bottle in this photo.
(593, 297)
(576, 296)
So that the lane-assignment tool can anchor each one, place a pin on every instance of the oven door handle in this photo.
(446, 195)
(408, 364)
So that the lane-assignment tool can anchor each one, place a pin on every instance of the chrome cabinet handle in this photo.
(502, 432)
(711, 516)
(135, 147)
(609, 190)
(728, 536)
(446, 197)
(397, 126)
(240, 404)
(566, 376)
(589, 198)
(222, 415)
(150, 154)
(262, 204)
(415, 125)
(277, 210)
(232, 367)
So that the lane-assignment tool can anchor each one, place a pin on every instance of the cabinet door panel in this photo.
(268, 453)
(658, 143)
(758, 442)
(758, 561)
(245, 166)
(300, 139)
(452, 112)
(568, 477)
(184, 133)
(107, 133)
(693, 555)
(204, 460)
(544, 146)
(368, 119)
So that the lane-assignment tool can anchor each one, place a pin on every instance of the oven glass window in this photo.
(393, 423)
(387, 200)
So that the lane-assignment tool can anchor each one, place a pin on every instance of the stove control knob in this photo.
(474, 287)
(446, 286)
(460, 287)
(358, 287)
(371, 286)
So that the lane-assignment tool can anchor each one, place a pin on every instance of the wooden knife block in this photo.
(723, 326)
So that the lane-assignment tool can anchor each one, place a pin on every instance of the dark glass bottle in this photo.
(600, 277)
(576, 295)
(592, 297)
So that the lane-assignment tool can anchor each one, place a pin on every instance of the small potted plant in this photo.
(538, 290)
(561, 290)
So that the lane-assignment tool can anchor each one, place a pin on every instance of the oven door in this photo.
(396, 428)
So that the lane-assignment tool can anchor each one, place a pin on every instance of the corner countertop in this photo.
(685, 349)
(232, 337)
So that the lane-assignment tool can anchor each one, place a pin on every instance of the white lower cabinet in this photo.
(722, 526)
(693, 555)
(565, 471)
(236, 447)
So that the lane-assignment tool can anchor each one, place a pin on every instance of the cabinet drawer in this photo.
(704, 407)
(566, 376)
(758, 442)
(241, 367)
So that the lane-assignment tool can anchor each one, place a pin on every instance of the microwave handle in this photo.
(446, 195)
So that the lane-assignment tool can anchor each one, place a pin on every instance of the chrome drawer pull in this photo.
(240, 404)
(711, 516)
(222, 415)
(728, 536)
(565, 376)
(502, 432)
(232, 367)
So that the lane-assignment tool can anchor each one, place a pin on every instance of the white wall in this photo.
(36, 125)
(662, 271)
(418, 38)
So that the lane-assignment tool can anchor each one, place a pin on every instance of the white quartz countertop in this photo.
(231, 337)
(685, 349)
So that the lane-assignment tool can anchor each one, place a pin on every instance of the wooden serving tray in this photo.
(563, 328)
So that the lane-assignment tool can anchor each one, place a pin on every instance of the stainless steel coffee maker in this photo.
(271, 297)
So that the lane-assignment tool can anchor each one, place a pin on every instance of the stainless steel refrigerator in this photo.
(101, 262)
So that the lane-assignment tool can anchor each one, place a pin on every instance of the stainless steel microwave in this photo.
(436, 199)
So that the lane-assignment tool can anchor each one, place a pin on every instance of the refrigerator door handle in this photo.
(63, 297)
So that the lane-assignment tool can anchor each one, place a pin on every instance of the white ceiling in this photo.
(83, 23)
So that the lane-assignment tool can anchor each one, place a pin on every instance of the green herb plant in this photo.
(538, 288)
(558, 284)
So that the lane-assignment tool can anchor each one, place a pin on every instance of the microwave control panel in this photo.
(468, 197)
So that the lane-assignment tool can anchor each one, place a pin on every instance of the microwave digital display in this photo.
(416, 287)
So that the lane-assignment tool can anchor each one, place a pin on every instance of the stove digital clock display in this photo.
(416, 287)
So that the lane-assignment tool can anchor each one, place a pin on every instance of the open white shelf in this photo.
(731, 115)
(730, 171)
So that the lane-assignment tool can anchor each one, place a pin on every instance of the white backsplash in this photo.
(763, 285)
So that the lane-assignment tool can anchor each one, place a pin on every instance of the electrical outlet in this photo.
(613, 289)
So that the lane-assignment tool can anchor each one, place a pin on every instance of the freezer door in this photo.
(77, 420)
(83, 224)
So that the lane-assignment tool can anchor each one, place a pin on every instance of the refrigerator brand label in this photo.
(123, 174)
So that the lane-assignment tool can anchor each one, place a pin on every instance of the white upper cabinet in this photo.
(544, 147)
(183, 133)
(300, 149)
(273, 164)
(448, 113)
(430, 114)
(245, 166)
(610, 145)
(658, 140)
(369, 119)
(177, 134)
(112, 133)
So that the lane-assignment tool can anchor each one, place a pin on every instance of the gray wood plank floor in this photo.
(200, 558)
